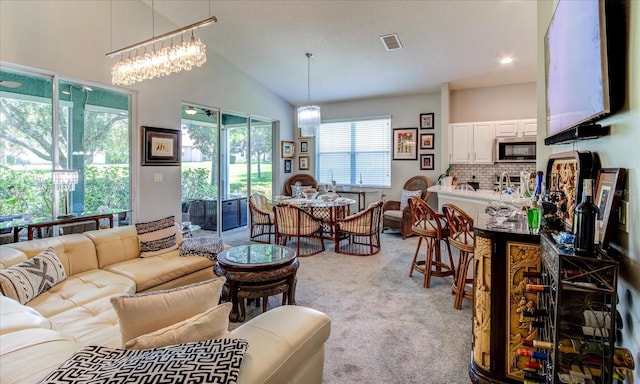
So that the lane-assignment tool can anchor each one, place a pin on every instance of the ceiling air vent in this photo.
(391, 42)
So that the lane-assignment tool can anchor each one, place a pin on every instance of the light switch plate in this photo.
(157, 177)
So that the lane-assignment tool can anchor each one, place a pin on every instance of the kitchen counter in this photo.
(473, 202)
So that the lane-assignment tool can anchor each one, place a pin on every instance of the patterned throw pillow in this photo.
(157, 237)
(208, 361)
(404, 198)
(25, 281)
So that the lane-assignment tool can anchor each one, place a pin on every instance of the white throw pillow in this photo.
(147, 312)
(212, 324)
(404, 197)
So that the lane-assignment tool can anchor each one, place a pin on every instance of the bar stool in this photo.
(433, 229)
(461, 237)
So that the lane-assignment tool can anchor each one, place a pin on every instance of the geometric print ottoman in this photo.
(206, 361)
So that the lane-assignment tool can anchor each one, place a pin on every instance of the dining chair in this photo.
(262, 218)
(359, 234)
(294, 224)
(433, 229)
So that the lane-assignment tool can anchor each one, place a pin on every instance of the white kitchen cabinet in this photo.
(516, 128)
(472, 143)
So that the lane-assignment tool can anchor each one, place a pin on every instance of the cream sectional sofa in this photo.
(286, 344)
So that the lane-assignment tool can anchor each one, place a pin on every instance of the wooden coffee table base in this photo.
(257, 283)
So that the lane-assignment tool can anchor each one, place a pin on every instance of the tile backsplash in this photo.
(485, 174)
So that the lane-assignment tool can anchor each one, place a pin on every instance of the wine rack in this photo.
(579, 319)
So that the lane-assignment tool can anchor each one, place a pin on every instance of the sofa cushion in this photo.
(30, 278)
(211, 324)
(157, 237)
(92, 323)
(208, 361)
(149, 272)
(81, 289)
(147, 312)
(16, 317)
(405, 195)
(29, 355)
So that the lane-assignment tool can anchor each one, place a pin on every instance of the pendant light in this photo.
(309, 116)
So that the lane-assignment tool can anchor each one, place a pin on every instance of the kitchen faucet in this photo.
(504, 182)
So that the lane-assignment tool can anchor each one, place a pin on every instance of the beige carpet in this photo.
(386, 328)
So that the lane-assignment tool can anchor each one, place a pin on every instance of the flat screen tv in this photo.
(585, 59)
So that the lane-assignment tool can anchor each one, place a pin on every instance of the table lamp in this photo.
(65, 181)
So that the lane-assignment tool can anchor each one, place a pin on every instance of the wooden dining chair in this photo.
(262, 219)
(293, 224)
(359, 234)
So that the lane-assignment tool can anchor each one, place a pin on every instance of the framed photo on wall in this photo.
(160, 146)
(288, 149)
(405, 143)
(426, 141)
(609, 189)
(287, 165)
(304, 146)
(303, 163)
(427, 121)
(426, 161)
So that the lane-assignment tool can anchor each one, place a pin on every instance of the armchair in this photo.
(261, 216)
(303, 178)
(396, 215)
(361, 232)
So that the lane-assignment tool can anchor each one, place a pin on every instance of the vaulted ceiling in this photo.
(459, 42)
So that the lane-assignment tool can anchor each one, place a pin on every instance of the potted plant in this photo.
(445, 178)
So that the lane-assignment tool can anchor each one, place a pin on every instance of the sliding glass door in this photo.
(222, 160)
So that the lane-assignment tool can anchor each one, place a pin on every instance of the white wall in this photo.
(405, 113)
(516, 101)
(71, 38)
(619, 150)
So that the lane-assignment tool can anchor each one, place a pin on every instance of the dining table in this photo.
(328, 210)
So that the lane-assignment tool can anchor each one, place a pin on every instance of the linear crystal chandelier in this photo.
(155, 62)
(308, 116)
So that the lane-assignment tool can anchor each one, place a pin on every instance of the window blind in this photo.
(355, 152)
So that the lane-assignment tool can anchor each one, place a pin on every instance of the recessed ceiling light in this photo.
(10, 84)
(506, 60)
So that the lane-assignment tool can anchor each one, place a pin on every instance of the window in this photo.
(91, 134)
(355, 152)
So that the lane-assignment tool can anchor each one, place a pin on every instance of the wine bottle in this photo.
(536, 312)
(584, 223)
(537, 344)
(539, 288)
(533, 376)
(533, 364)
(533, 354)
(533, 274)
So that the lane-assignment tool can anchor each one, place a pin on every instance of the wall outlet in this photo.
(623, 216)
(157, 177)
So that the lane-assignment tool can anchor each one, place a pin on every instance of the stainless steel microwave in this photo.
(515, 149)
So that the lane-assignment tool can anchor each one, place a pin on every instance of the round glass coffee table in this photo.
(257, 271)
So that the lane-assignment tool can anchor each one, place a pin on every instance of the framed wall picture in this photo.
(288, 149)
(160, 146)
(426, 141)
(405, 143)
(609, 189)
(426, 161)
(304, 146)
(303, 163)
(427, 121)
(287, 165)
